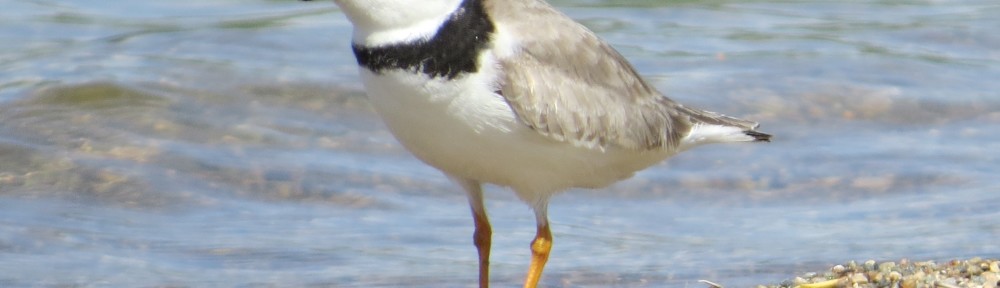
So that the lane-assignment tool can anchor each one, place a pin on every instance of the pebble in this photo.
(838, 269)
(974, 272)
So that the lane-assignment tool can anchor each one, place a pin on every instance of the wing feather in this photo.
(567, 84)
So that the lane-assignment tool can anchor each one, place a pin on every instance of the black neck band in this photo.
(454, 49)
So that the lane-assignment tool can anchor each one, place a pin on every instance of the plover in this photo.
(517, 94)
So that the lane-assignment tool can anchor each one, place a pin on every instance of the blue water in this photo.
(229, 143)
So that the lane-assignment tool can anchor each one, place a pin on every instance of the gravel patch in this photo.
(975, 272)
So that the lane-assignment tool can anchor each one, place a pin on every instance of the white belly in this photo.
(468, 131)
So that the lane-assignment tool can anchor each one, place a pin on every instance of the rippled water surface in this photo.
(228, 143)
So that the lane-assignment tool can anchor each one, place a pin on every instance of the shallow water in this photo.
(228, 143)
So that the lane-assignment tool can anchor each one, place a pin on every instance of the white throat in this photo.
(383, 22)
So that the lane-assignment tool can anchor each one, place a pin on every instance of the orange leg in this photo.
(484, 233)
(540, 248)
(482, 239)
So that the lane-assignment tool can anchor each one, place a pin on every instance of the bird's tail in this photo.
(758, 136)
(710, 127)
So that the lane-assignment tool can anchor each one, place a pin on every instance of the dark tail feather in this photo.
(713, 118)
(757, 136)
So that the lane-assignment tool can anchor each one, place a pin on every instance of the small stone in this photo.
(886, 267)
(909, 282)
(870, 265)
(876, 277)
(838, 269)
(858, 278)
(991, 279)
(894, 276)
(974, 270)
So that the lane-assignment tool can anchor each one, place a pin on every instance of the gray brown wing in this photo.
(569, 85)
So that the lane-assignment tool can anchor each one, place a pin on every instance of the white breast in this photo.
(462, 127)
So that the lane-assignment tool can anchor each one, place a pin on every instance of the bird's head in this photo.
(378, 16)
